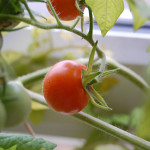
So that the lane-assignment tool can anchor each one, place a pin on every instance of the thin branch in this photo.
(128, 73)
(44, 1)
(101, 125)
(76, 22)
(33, 76)
(1, 41)
(124, 71)
(29, 128)
(110, 129)
(90, 33)
(13, 29)
(54, 13)
(28, 9)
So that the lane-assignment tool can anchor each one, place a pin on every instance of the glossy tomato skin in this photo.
(17, 104)
(62, 87)
(65, 9)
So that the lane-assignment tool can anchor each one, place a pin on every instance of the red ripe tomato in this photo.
(65, 9)
(62, 87)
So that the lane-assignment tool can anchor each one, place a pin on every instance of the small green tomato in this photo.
(17, 104)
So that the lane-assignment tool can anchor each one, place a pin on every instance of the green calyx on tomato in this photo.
(17, 104)
(65, 9)
(67, 87)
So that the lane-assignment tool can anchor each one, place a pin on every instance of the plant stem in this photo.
(54, 13)
(110, 129)
(60, 26)
(90, 33)
(29, 128)
(128, 73)
(33, 76)
(28, 9)
(76, 22)
(124, 71)
(101, 125)
(1, 41)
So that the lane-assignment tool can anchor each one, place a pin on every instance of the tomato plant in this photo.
(62, 87)
(17, 104)
(65, 9)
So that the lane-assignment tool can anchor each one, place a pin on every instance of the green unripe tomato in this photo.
(2, 115)
(17, 104)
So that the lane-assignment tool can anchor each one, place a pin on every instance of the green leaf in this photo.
(10, 6)
(139, 19)
(106, 12)
(36, 117)
(110, 72)
(143, 7)
(12, 148)
(23, 142)
(106, 84)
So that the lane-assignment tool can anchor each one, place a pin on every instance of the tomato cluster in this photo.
(15, 105)
(65, 9)
(63, 89)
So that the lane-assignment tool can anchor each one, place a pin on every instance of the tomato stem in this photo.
(77, 4)
(100, 125)
(90, 33)
(14, 29)
(1, 41)
(91, 58)
(76, 22)
(29, 128)
(124, 71)
(33, 76)
(54, 13)
(110, 129)
(28, 9)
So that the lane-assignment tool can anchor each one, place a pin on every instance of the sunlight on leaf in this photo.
(106, 12)
(38, 106)
(36, 117)
(106, 84)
